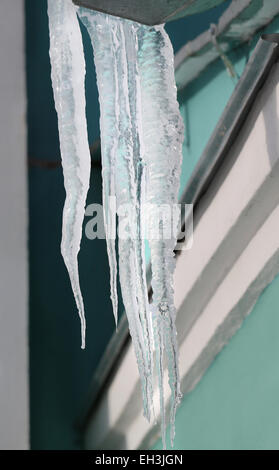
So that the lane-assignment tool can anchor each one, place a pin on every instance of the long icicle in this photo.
(142, 134)
(133, 286)
(163, 136)
(119, 116)
(131, 42)
(68, 76)
(104, 42)
(130, 252)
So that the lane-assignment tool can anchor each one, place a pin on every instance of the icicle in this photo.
(130, 30)
(68, 74)
(141, 134)
(159, 347)
(119, 90)
(105, 45)
(163, 136)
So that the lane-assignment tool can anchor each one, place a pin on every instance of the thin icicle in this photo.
(68, 75)
(130, 159)
(115, 60)
(159, 347)
(131, 255)
(131, 41)
(163, 137)
(105, 45)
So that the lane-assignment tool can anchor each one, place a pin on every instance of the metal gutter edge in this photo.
(149, 12)
(263, 58)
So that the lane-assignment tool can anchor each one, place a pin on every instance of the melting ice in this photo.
(68, 75)
(141, 138)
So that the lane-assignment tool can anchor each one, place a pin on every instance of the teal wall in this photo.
(235, 405)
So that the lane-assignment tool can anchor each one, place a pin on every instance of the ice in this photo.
(141, 138)
(163, 137)
(115, 53)
(68, 75)
(105, 44)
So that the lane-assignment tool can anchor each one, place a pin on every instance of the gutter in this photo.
(149, 12)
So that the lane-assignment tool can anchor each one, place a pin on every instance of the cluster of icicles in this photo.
(141, 134)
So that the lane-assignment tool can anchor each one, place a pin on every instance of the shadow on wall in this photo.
(115, 440)
(271, 120)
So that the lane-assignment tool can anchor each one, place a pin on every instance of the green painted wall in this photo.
(236, 404)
